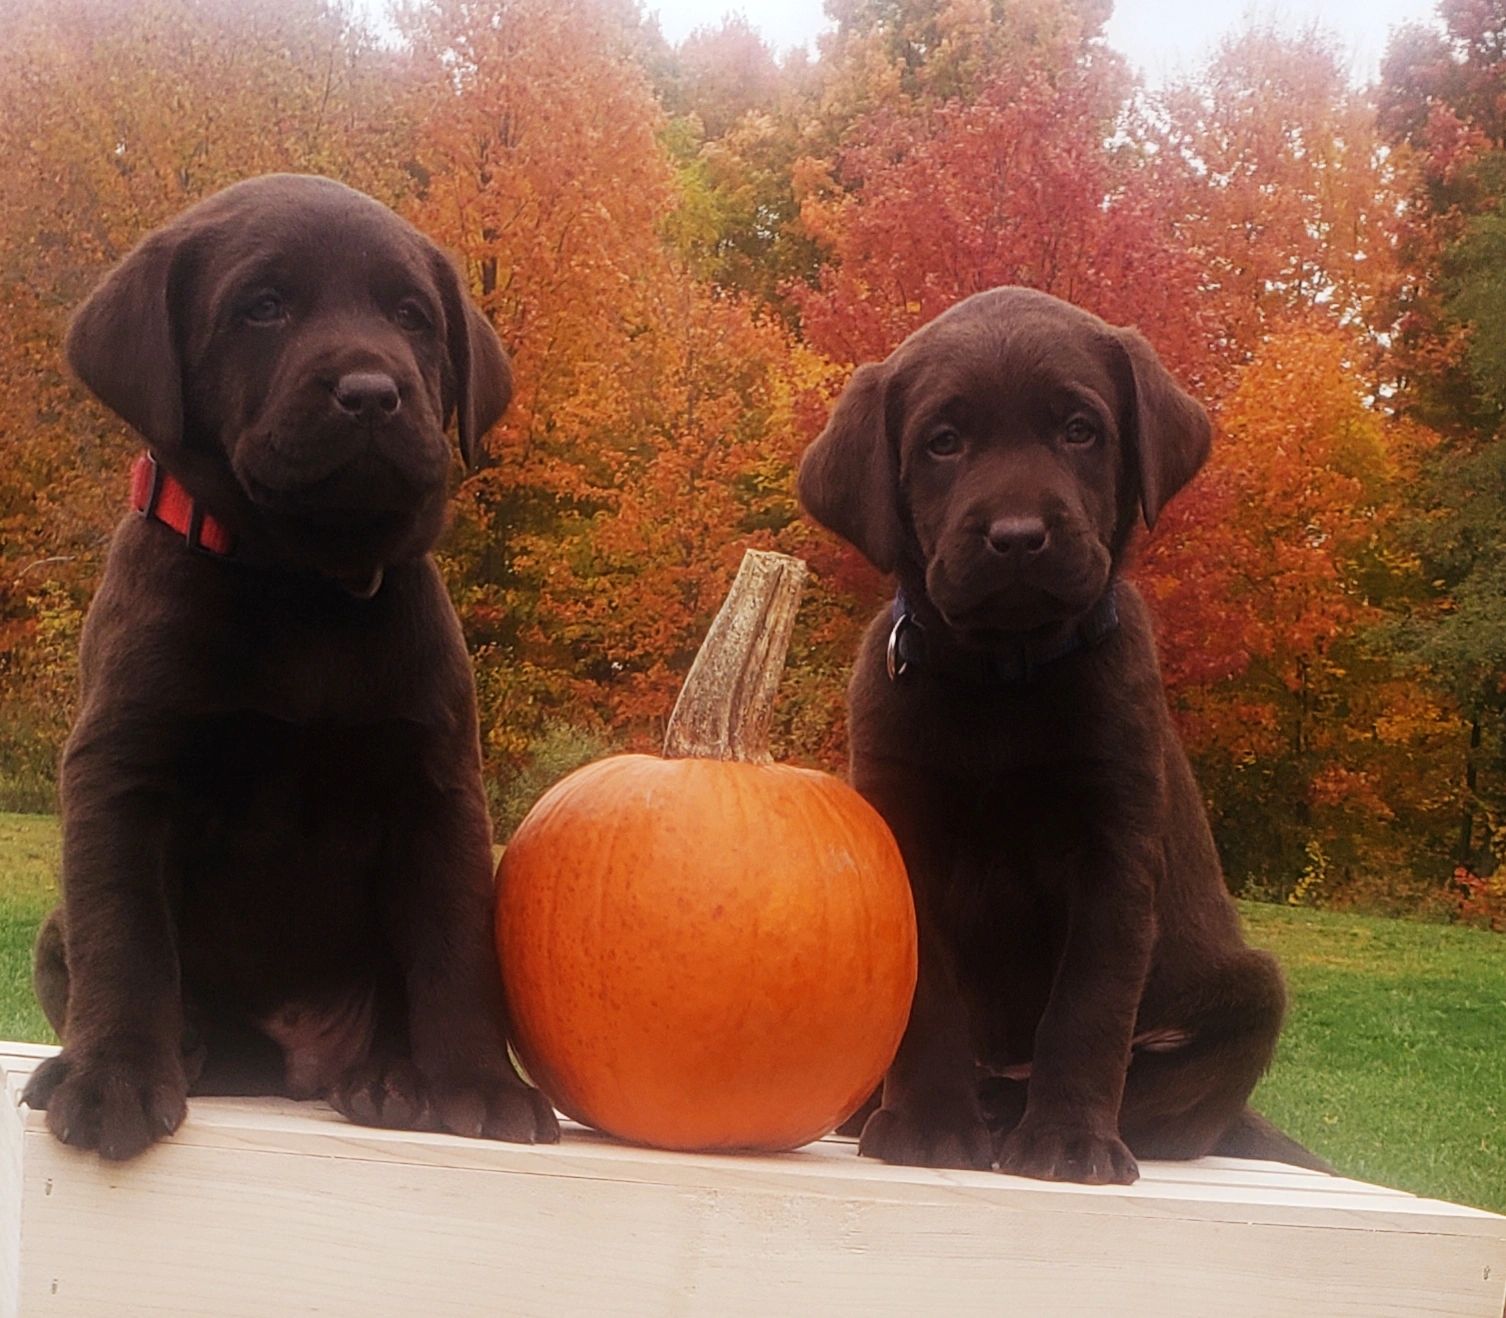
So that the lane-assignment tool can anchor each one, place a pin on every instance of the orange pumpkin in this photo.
(706, 953)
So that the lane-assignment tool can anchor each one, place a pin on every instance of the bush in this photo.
(26, 792)
(557, 750)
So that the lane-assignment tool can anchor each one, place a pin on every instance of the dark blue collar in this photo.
(1022, 663)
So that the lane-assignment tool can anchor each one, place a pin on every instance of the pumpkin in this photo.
(708, 950)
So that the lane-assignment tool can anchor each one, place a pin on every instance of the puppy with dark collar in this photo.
(1085, 994)
(276, 852)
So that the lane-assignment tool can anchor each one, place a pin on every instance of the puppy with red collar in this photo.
(276, 852)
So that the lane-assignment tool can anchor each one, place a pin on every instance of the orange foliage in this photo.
(1290, 200)
(686, 250)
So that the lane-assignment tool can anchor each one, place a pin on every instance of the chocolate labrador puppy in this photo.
(1085, 995)
(276, 852)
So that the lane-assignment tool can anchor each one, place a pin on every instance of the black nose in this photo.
(1017, 537)
(368, 395)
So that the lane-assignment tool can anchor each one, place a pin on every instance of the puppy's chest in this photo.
(303, 652)
(282, 842)
(312, 795)
(326, 674)
(1015, 831)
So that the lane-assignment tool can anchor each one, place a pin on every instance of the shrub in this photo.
(558, 748)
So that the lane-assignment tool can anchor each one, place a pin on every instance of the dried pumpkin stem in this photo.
(724, 708)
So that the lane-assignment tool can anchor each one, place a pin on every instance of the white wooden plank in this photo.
(261, 1207)
(313, 1129)
(10, 1204)
(18, 1049)
(198, 1230)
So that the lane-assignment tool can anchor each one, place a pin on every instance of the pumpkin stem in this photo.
(724, 708)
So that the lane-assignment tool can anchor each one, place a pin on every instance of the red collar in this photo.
(156, 494)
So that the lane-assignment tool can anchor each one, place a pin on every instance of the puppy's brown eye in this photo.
(411, 317)
(1080, 431)
(265, 309)
(944, 444)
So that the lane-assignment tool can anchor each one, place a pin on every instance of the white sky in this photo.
(1160, 37)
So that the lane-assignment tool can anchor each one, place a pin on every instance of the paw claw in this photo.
(958, 1139)
(383, 1091)
(118, 1104)
(391, 1092)
(1068, 1152)
(498, 1108)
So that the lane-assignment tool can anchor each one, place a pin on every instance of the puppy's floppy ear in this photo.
(1169, 432)
(480, 374)
(124, 342)
(849, 477)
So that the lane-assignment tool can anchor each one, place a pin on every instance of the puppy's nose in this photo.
(367, 395)
(1017, 537)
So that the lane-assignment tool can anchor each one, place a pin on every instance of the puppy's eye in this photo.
(944, 444)
(1079, 431)
(411, 317)
(265, 309)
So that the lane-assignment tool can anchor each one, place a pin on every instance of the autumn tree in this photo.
(1287, 195)
(992, 162)
(1441, 102)
(641, 449)
(686, 249)
(1266, 637)
(112, 118)
(738, 120)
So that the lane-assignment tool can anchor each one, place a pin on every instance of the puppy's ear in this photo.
(1169, 432)
(849, 477)
(124, 342)
(480, 373)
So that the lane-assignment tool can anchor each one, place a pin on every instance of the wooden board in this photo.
(264, 1207)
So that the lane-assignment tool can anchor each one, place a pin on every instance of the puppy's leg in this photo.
(119, 1082)
(385, 1088)
(854, 1124)
(930, 1115)
(1183, 1096)
(1069, 1129)
(50, 971)
(440, 910)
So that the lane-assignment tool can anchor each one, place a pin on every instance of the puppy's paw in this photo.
(383, 1091)
(493, 1106)
(1065, 1151)
(954, 1139)
(110, 1101)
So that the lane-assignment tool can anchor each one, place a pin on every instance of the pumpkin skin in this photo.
(705, 954)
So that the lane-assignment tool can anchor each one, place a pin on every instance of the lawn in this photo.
(28, 890)
(1393, 1062)
(1393, 1065)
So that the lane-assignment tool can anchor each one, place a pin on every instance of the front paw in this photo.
(1068, 1151)
(492, 1105)
(956, 1138)
(113, 1100)
(383, 1091)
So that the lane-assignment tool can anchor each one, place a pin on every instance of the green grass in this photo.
(1393, 1064)
(28, 890)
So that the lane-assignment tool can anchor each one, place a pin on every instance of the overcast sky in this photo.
(1159, 36)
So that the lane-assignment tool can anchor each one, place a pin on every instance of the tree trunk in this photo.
(1464, 851)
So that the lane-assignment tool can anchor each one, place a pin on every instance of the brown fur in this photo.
(276, 852)
(1085, 994)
